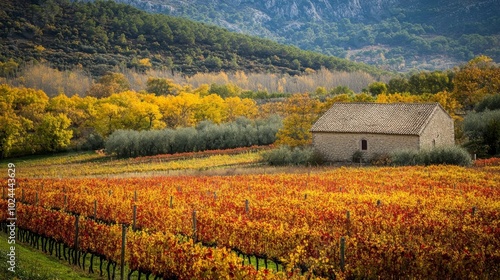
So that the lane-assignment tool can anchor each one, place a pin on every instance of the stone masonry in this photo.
(380, 129)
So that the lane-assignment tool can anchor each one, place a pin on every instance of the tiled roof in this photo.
(380, 118)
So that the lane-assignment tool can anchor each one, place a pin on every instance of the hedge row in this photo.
(205, 136)
(453, 155)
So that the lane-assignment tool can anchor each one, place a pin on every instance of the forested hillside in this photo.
(395, 34)
(102, 35)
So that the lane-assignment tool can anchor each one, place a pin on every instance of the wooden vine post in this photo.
(342, 253)
(95, 209)
(194, 226)
(122, 259)
(77, 229)
(134, 217)
(348, 219)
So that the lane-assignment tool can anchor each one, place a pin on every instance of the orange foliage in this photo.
(419, 222)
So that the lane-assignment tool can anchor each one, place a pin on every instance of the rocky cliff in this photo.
(397, 34)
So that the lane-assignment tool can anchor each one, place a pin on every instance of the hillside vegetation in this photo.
(103, 35)
(33, 122)
(395, 34)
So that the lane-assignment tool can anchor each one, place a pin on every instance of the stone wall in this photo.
(341, 146)
(439, 131)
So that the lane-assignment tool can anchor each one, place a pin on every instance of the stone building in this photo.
(376, 128)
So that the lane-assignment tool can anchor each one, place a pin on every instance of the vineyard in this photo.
(436, 222)
(93, 164)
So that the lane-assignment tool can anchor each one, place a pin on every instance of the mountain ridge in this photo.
(100, 36)
(431, 34)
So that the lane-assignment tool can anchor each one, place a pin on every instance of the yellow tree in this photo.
(302, 113)
(53, 133)
(71, 107)
(11, 131)
(336, 98)
(363, 97)
(26, 126)
(272, 108)
(475, 80)
(22, 110)
(179, 110)
(211, 107)
(237, 107)
(131, 110)
(448, 102)
(107, 118)
(398, 97)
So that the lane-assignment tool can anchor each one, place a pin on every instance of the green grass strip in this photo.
(35, 265)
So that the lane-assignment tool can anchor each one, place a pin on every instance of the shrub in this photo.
(285, 155)
(491, 103)
(483, 133)
(357, 156)
(206, 136)
(442, 155)
(93, 141)
(404, 157)
(450, 155)
(279, 156)
(380, 159)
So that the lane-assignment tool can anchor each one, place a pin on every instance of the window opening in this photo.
(364, 145)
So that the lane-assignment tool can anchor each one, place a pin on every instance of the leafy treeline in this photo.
(400, 35)
(104, 35)
(31, 122)
(205, 136)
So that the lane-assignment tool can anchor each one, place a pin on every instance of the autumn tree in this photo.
(26, 127)
(52, 134)
(448, 102)
(226, 90)
(11, 131)
(8, 68)
(25, 109)
(179, 110)
(162, 86)
(107, 118)
(211, 107)
(108, 84)
(302, 113)
(475, 80)
(237, 107)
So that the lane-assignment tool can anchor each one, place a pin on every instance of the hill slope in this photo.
(102, 35)
(398, 34)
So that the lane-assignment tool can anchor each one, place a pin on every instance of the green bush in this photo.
(284, 155)
(483, 133)
(357, 156)
(491, 102)
(453, 155)
(205, 136)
